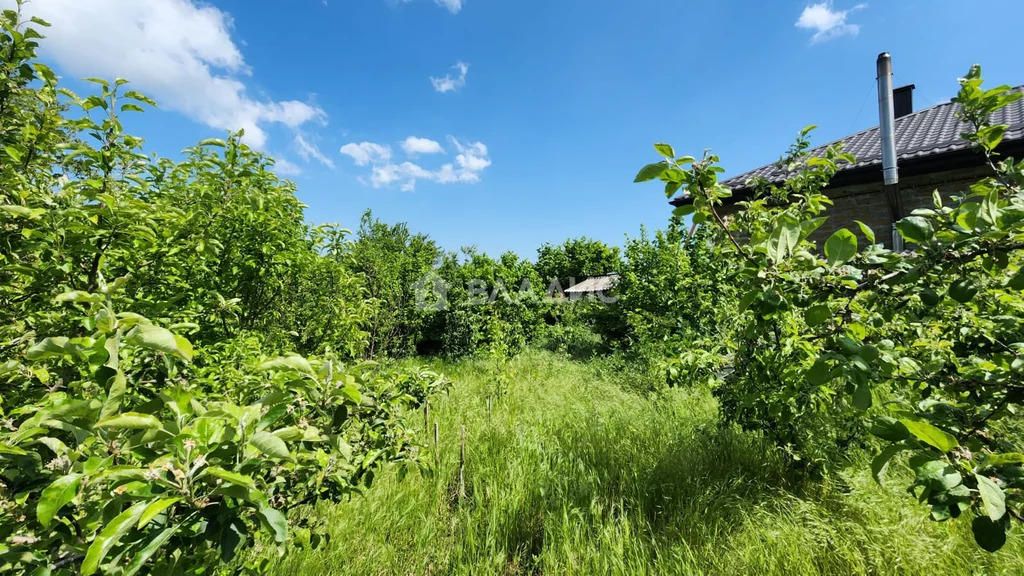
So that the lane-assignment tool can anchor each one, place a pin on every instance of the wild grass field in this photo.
(575, 473)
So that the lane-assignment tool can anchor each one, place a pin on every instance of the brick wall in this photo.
(868, 202)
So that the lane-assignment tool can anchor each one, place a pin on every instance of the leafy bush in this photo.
(574, 260)
(393, 260)
(150, 422)
(923, 349)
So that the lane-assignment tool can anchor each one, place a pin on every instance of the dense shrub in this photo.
(923, 349)
(574, 260)
(152, 419)
(393, 261)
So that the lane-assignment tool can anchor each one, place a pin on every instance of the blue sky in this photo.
(508, 124)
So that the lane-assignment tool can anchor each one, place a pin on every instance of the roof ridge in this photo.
(817, 150)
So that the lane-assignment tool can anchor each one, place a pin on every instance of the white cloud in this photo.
(308, 150)
(367, 153)
(827, 22)
(470, 162)
(179, 52)
(472, 159)
(453, 6)
(284, 167)
(449, 83)
(413, 146)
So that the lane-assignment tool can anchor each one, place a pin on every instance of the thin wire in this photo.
(849, 129)
(931, 101)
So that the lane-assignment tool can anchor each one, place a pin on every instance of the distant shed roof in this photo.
(594, 284)
(929, 134)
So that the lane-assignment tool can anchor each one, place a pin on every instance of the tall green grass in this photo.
(574, 474)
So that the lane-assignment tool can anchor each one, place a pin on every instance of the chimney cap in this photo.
(904, 88)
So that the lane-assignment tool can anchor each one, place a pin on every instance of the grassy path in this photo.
(575, 475)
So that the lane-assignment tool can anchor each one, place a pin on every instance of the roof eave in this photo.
(942, 162)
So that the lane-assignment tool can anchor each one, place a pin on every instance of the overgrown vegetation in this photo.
(188, 369)
(154, 417)
(921, 349)
(573, 474)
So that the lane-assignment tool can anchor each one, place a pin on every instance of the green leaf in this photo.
(880, 463)
(14, 153)
(277, 523)
(930, 435)
(862, 396)
(670, 190)
(841, 247)
(992, 497)
(963, 290)
(352, 394)
(817, 315)
(665, 150)
(1008, 459)
(988, 534)
(888, 428)
(155, 508)
(130, 421)
(47, 348)
(184, 347)
(809, 226)
(109, 537)
(114, 395)
(160, 339)
(930, 297)
(784, 237)
(748, 299)
(1017, 281)
(22, 211)
(270, 445)
(990, 136)
(55, 496)
(150, 549)
(819, 373)
(289, 364)
(916, 229)
(78, 296)
(228, 476)
(989, 210)
(289, 433)
(651, 171)
(866, 230)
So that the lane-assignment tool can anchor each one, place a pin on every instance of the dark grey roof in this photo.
(926, 133)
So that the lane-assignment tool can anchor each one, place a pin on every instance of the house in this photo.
(594, 285)
(930, 155)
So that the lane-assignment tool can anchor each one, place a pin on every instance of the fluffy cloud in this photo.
(179, 52)
(470, 162)
(309, 151)
(449, 83)
(367, 153)
(413, 146)
(284, 167)
(827, 22)
(453, 6)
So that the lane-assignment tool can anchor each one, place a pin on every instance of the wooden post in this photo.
(437, 447)
(426, 417)
(462, 463)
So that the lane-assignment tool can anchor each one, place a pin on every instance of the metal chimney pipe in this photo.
(886, 121)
